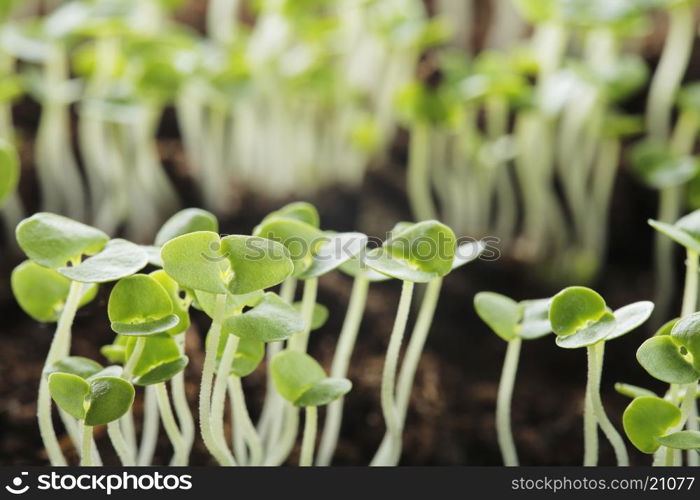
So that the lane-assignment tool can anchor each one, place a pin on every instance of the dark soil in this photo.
(451, 417)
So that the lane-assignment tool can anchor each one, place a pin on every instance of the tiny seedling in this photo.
(513, 322)
(303, 382)
(94, 396)
(580, 318)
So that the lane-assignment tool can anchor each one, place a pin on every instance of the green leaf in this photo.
(589, 335)
(160, 349)
(195, 261)
(53, 240)
(110, 398)
(249, 355)
(180, 305)
(502, 314)
(153, 254)
(139, 305)
(666, 328)
(681, 440)
(648, 418)
(234, 303)
(662, 359)
(119, 258)
(686, 332)
(319, 315)
(355, 267)
(186, 221)
(633, 391)
(301, 239)
(298, 210)
(9, 169)
(337, 250)
(70, 393)
(574, 308)
(630, 317)
(324, 392)
(163, 372)
(535, 321)
(75, 365)
(659, 168)
(677, 234)
(271, 320)
(41, 292)
(381, 261)
(114, 353)
(293, 373)
(257, 263)
(426, 247)
(108, 371)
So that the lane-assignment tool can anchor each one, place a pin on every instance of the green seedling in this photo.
(56, 246)
(94, 396)
(580, 318)
(303, 382)
(512, 321)
(672, 357)
(415, 253)
(223, 267)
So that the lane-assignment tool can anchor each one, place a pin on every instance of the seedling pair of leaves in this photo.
(580, 318)
(89, 392)
(528, 319)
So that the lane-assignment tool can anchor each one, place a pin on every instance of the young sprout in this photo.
(415, 253)
(222, 268)
(513, 322)
(580, 318)
(94, 396)
(674, 357)
(303, 382)
(59, 244)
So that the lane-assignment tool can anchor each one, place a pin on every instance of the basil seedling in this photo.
(580, 318)
(513, 322)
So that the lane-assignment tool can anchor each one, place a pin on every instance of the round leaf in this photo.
(186, 221)
(319, 315)
(502, 314)
(630, 317)
(195, 261)
(271, 320)
(70, 393)
(301, 239)
(248, 355)
(160, 349)
(648, 418)
(163, 372)
(535, 320)
(662, 359)
(681, 440)
(139, 305)
(119, 258)
(293, 373)
(574, 308)
(298, 210)
(110, 398)
(257, 263)
(75, 365)
(53, 240)
(41, 292)
(324, 392)
(686, 332)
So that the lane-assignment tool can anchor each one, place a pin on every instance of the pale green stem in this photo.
(673, 457)
(409, 366)
(86, 445)
(418, 177)
(126, 457)
(669, 211)
(183, 412)
(690, 291)
(388, 386)
(60, 347)
(273, 401)
(283, 446)
(248, 429)
(339, 368)
(151, 424)
(503, 403)
(590, 426)
(300, 341)
(140, 345)
(73, 428)
(606, 426)
(693, 425)
(309, 440)
(171, 428)
(212, 343)
(218, 399)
